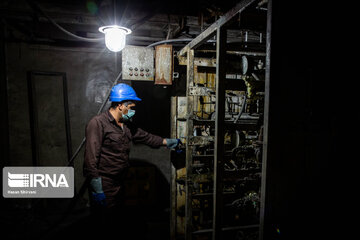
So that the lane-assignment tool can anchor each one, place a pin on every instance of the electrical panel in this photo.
(163, 64)
(138, 63)
(193, 192)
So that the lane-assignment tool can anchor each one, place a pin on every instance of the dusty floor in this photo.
(26, 222)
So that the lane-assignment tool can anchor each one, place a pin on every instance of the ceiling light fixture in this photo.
(115, 37)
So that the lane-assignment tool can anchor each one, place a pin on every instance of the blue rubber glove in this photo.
(172, 142)
(99, 198)
(97, 192)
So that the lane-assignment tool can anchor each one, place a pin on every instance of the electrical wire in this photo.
(170, 41)
(242, 109)
(176, 40)
(70, 163)
(36, 8)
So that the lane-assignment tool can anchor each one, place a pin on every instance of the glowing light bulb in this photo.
(115, 37)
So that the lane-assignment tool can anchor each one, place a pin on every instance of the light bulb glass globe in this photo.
(115, 37)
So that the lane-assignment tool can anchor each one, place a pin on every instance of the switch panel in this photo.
(138, 63)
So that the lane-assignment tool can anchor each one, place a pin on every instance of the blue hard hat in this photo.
(123, 92)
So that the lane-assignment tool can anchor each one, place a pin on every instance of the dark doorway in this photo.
(49, 119)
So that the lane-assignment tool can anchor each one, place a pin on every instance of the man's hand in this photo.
(98, 195)
(99, 198)
(172, 143)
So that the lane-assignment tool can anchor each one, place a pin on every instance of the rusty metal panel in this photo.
(204, 105)
(201, 91)
(163, 64)
(180, 118)
(189, 149)
(173, 184)
(181, 107)
(138, 63)
(203, 62)
(201, 140)
(181, 131)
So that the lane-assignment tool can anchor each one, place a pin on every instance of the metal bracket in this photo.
(201, 140)
(201, 91)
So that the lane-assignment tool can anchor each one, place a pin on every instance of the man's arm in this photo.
(152, 140)
(141, 136)
(94, 136)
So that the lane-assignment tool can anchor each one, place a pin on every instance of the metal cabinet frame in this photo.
(219, 29)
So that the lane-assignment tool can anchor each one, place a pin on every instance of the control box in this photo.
(138, 63)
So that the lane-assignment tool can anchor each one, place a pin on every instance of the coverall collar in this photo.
(110, 117)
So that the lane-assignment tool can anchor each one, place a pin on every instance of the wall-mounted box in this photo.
(163, 64)
(138, 63)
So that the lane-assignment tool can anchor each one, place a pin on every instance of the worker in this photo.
(108, 138)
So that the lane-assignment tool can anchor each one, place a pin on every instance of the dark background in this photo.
(313, 122)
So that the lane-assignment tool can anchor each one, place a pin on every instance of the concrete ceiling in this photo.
(150, 21)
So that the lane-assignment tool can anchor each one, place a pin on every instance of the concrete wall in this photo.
(90, 73)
